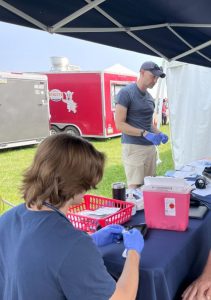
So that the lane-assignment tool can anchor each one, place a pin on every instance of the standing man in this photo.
(134, 117)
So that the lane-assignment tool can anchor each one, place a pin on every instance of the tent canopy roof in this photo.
(174, 30)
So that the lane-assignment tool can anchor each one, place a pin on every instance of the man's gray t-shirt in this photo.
(43, 257)
(140, 108)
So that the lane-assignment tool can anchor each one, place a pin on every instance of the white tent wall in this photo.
(188, 90)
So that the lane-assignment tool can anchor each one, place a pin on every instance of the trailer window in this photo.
(115, 88)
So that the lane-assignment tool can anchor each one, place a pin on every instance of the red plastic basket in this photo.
(92, 202)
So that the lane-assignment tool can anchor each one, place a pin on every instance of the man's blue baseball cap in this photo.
(153, 68)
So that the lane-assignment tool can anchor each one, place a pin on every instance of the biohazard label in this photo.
(170, 207)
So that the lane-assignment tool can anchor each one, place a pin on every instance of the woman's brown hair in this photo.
(63, 166)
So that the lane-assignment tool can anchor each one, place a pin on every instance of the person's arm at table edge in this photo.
(127, 284)
(202, 283)
(122, 125)
(207, 268)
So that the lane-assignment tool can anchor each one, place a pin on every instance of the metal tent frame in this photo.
(183, 35)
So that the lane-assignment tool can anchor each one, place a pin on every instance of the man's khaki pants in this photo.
(139, 161)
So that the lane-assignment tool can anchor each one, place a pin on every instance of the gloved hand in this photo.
(133, 240)
(154, 138)
(107, 235)
(164, 138)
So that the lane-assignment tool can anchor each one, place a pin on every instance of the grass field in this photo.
(14, 161)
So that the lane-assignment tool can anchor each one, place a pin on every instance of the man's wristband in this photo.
(142, 132)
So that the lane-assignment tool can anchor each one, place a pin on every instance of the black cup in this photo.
(118, 191)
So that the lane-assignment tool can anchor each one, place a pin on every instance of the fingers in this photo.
(115, 228)
(189, 293)
(208, 294)
(164, 137)
(197, 292)
(157, 143)
(133, 240)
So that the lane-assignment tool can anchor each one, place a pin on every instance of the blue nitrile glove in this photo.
(107, 235)
(164, 138)
(155, 138)
(133, 240)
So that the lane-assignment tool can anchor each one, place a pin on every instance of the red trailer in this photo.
(83, 103)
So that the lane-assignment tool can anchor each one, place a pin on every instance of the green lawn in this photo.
(14, 161)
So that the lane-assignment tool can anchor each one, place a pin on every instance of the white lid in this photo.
(161, 183)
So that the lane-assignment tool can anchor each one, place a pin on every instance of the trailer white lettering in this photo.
(67, 97)
(55, 95)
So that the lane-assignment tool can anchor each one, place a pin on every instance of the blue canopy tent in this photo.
(174, 30)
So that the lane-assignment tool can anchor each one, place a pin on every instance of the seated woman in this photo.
(42, 256)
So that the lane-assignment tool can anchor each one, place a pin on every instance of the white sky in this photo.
(24, 49)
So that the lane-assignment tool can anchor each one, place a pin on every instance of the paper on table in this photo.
(184, 174)
(191, 183)
(191, 170)
(100, 212)
(200, 163)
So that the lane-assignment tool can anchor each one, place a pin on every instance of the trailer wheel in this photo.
(72, 131)
(54, 130)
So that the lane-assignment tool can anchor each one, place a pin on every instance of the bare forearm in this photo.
(130, 130)
(129, 279)
(155, 129)
(127, 285)
(122, 125)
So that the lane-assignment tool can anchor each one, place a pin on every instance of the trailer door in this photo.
(23, 108)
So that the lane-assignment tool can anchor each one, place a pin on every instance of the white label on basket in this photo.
(170, 207)
(106, 210)
(100, 212)
(86, 212)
